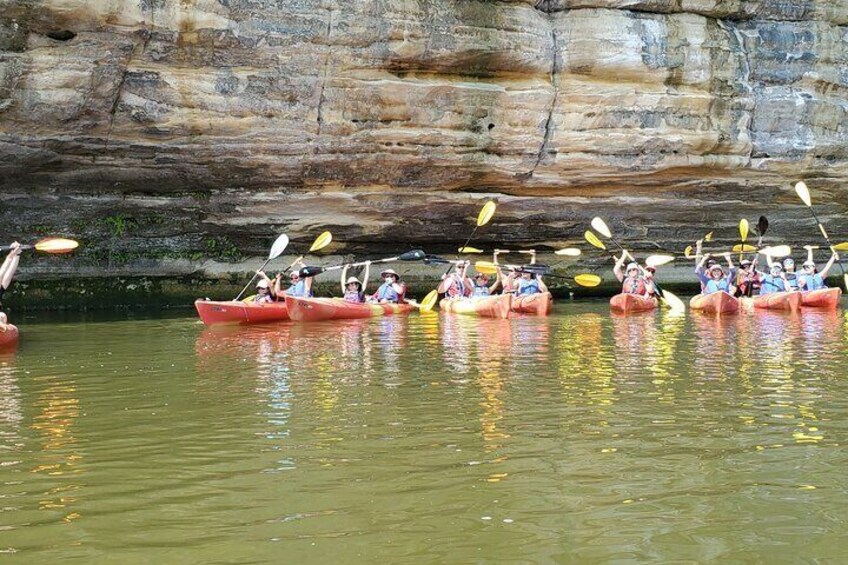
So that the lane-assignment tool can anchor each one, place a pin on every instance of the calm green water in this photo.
(578, 438)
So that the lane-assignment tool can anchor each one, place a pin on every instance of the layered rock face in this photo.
(163, 133)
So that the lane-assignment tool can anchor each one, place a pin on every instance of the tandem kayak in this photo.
(318, 309)
(715, 303)
(233, 312)
(539, 304)
(625, 303)
(9, 338)
(822, 298)
(485, 306)
(789, 301)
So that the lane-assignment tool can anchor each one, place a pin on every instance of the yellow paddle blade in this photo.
(486, 213)
(574, 252)
(321, 241)
(469, 250)
(485, 267)
(803, 193)
(744, 248)
(593, 239)
(841, 246)
(708, 237)
(588, 280)
(601, 227)
(429, 301)
(688, 252)
(743, 229)
(673, 302)
(56, 245)
(658, 260)
(777, 251)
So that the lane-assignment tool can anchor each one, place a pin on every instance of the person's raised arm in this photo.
(10, 265)
(833, 259)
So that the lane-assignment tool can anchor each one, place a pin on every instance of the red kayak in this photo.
(789, 301)
(232, 312)
(626, 303)
(715, 303)
(822, 298)
(9, 338)
(539, 304)
(318, 309)
(484, 306)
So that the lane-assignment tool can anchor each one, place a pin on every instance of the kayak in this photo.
(486, 306)
(539, 304)
(625, 303)
(778, 301)
(232, 312)
(9, 338)
(822, 298)
(318, 309)
(715, 303)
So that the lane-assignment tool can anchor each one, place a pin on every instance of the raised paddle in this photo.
(469, 250)
(588, 280)
(277, 249)
(743, 235)
(568, 252)
(414, 255)
(52, 245)
(483, 218)
(804, 194)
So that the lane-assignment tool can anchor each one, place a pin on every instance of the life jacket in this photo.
(298, 290)
(528, 287)
(457, 287)
(748, 284)
(793, 280)
(354, 296)
(479, 290)
(813, 282)
(717, 286)
(633, 285)
(772, 284)
(387, 292)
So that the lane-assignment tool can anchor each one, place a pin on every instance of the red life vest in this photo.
(633, 286)
(457, 287)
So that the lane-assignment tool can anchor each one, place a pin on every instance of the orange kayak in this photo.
(9, 338)
(779, 301)
(318, 309)
(631, 303)
(539, 304)
(822, 298)
(486, 307)
(232, 312)
(715, 303)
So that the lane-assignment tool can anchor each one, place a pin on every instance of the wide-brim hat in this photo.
(352, 280)
(716, 267)
(809, 264)
(390, 272)
(263, 284)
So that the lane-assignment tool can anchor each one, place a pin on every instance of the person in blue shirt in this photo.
(775, 281)
(391, 291)
(480, 285)
(810, 278)
(527, 283)
(714, 279)
(789, 271)
(301, 287)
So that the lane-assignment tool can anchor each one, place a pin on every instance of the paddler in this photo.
(748, 278)
(457, 284)
(7, 272)
(775, 281)
(714, 278)
(789, 271)
(527, 283)
(301, 287)
(810, 278)
(632, 280)
(264, 292)
(480, 285)
(352, 288)
(391, 291)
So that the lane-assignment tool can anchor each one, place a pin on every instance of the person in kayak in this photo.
(789, 272)
(480, 285)
(391, 291)
(810, 278)
(457, 284)
(7, 273)
(352, 288)
(748, 278)
(527, 283)
(632, 280)
(775, 281)
(301, 287)
(264, 292)
(714, 278)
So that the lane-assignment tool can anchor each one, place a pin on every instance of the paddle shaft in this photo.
(825, 236)
(467, 241)
(262, 268)
(23, 247)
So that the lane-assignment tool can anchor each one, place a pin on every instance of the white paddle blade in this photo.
(803, 193)
(777, 251)
(568, 252)
(601, 227)
(279, 246)
(673, 302)
(658, 260)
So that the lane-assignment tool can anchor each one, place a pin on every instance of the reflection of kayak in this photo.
(486, 307)
(715, 303)
(317, 309)
(9, 338)
(822, 298)
(232, 312)
(778, 300)
(630, 303)
(539, 304)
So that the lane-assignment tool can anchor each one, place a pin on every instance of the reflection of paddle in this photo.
(804, 194)
(52, 245)
(414, 255)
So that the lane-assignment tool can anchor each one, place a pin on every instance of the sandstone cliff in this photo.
(166, 132)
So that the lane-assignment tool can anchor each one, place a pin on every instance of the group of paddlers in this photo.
(744, 280)
(458, 284)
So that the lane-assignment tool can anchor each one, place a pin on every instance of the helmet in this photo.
(263, 284)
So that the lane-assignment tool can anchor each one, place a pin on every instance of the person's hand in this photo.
(444, 276)
(707, 255)
(16, 248)
(727, 256)
(367, 263)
